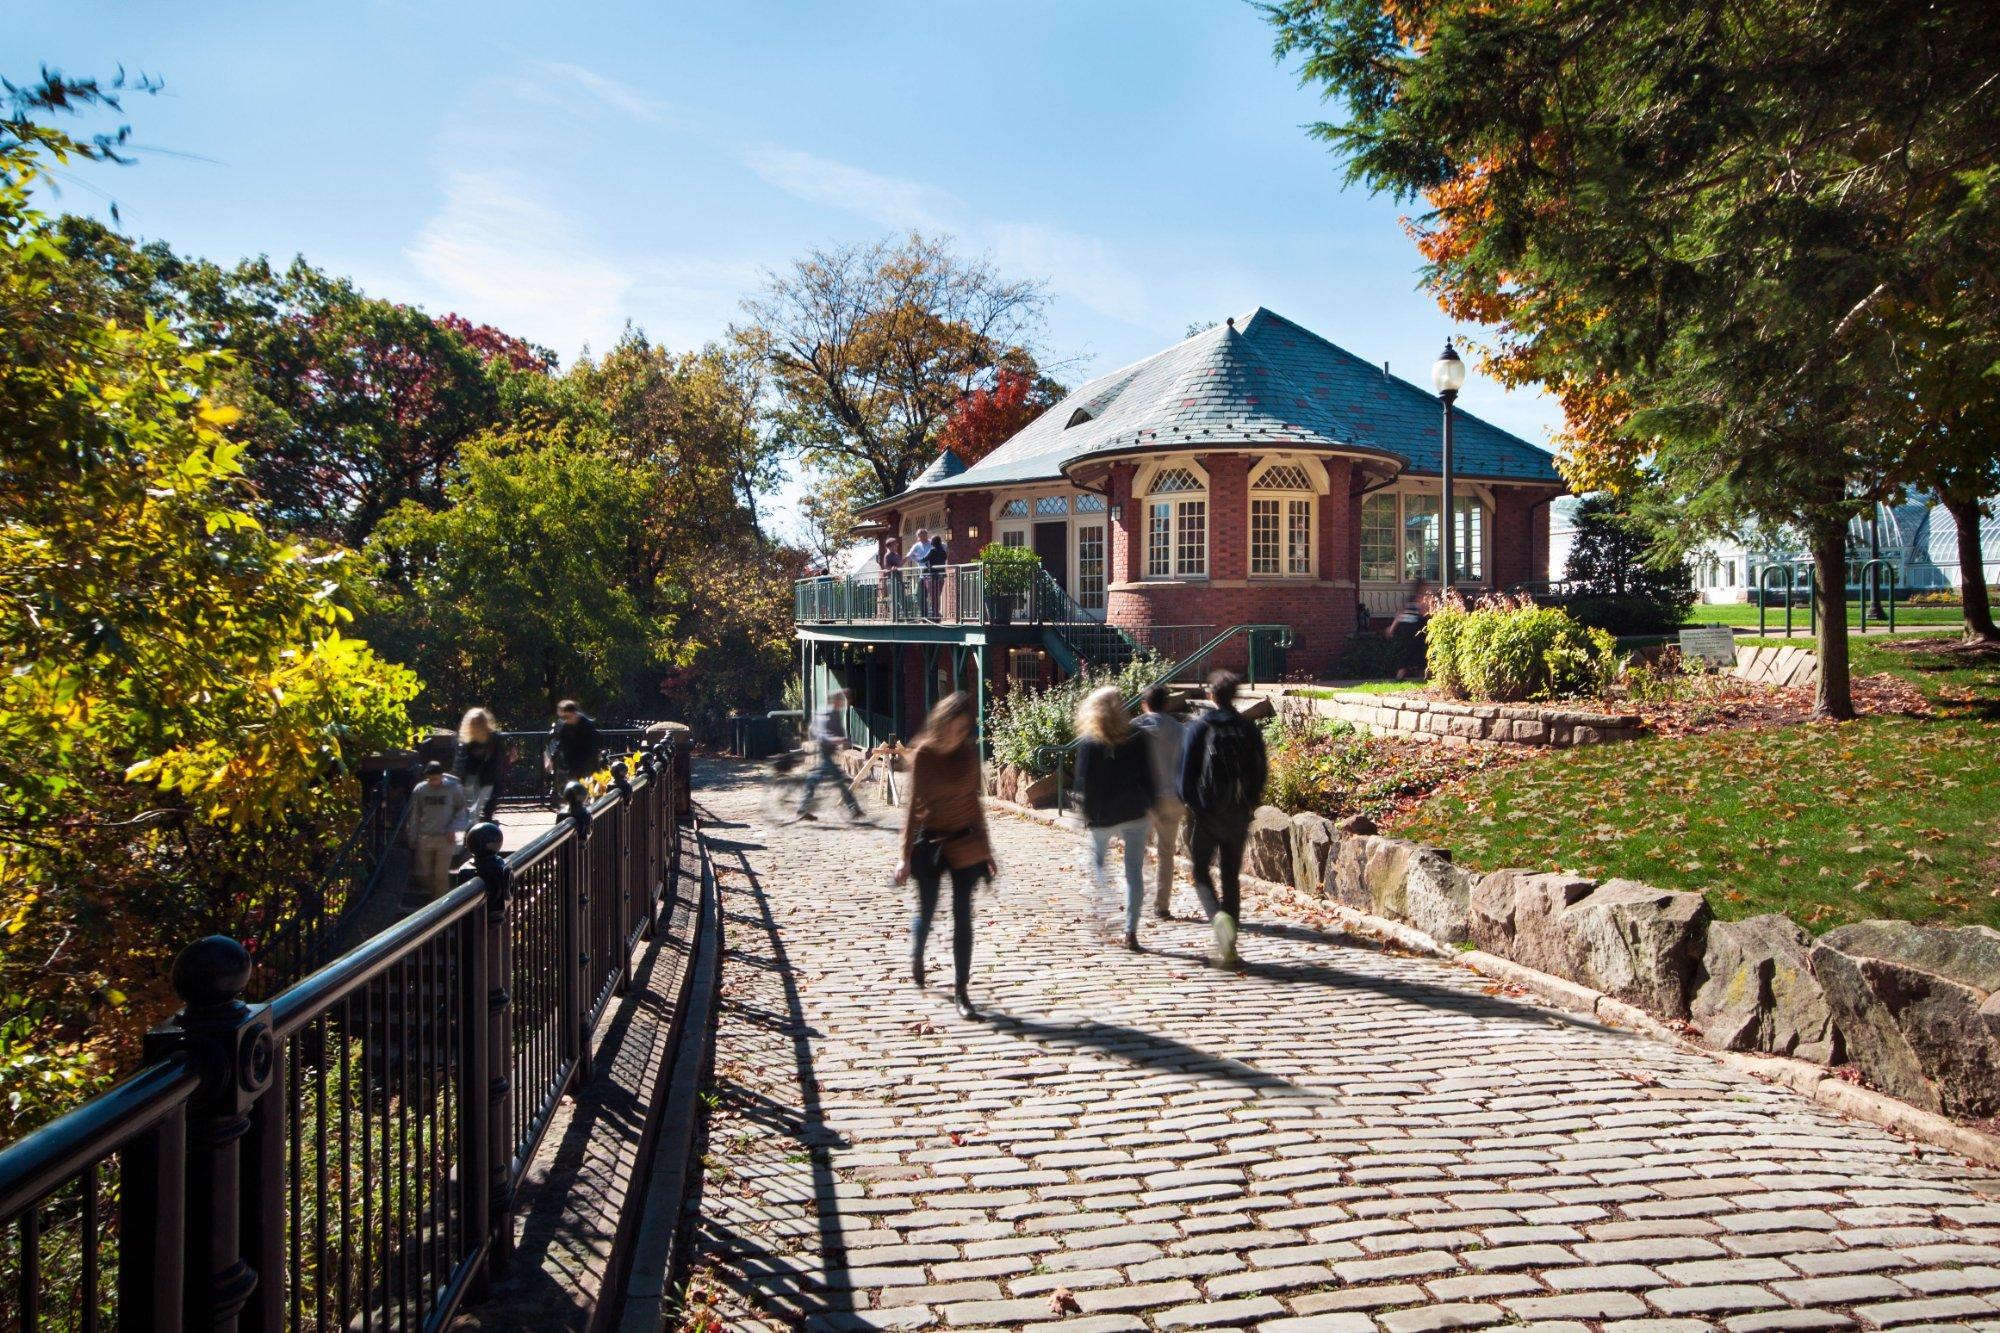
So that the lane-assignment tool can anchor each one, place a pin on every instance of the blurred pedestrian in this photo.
(944, 834)
(480, 761)
(828, 735)
(914, 570)
(1114, 777)
(437, 816)
(1165, 734)
(1223, 768)
(575, 750)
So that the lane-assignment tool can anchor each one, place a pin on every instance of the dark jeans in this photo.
(933, 595)
(1208, 842)
(962, 884)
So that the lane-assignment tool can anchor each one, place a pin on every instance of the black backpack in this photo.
(1232, 771)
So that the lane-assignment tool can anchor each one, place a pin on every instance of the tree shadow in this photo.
(1136, 1046)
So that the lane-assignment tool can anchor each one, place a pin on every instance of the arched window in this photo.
(1283, 522)
(1177, 524)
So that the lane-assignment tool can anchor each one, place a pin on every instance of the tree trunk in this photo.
(1834, 697)
(1979, 627)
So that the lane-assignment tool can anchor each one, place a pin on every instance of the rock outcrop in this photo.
(1756, 991)
(1919, 1010)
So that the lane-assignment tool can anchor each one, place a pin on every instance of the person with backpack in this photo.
(1114, 777)
(1223, 768)
(944, 834)
(1165, 734)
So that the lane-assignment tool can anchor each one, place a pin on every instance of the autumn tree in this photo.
(986, 418)
(1703, 228)
(871, 350)
(181, 707)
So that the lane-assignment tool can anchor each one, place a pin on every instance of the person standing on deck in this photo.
(437, 816)
(479, 761)
(1223, 768)
(944, 835)
(575, 748)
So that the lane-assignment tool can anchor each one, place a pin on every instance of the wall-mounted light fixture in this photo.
(1117, 513)
(972, 532)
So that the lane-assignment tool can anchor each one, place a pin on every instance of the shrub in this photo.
(1506, 650)
(1010, 570)
(1026, 721)
(1369, 657)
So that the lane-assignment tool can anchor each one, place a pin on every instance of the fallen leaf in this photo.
(1063, 1301)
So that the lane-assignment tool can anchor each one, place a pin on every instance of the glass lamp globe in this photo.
(1448, 372)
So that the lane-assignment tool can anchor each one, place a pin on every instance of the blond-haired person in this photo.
(1115, 783)
(944, 834)
(479, 761)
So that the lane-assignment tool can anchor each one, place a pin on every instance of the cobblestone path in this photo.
(1341, 1139)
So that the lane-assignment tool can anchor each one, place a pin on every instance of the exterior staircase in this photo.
(1076, 639)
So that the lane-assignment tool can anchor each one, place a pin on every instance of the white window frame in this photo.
(1286, 497)
(1018, 530)
(1469, 572)
(1185, 559)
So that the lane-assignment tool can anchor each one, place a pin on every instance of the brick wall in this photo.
(1520, 536)
(965, 511)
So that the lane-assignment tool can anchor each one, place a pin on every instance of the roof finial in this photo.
(1231, 321)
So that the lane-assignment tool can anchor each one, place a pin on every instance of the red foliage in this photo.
(986, 418)
(496, 345)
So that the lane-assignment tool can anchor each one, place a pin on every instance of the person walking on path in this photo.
(1223, 768)
(944, 834)
(437, 817)
(479, 761)
(934, 566)
(914, 571)
(574, 747)
(1164, 735)
(1114, 775)
(829, 735)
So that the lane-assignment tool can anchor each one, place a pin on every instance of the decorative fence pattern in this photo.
(346, 1156)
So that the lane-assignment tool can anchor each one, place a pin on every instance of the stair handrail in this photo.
(1056, 754)
(1052, 595)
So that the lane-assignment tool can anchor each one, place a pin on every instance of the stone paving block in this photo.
(1179, 1148)
(1431, 1318)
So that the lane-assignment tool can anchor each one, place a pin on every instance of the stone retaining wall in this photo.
(1916, 1009)
(1470, 723)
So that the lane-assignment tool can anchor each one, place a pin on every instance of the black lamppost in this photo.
(1874, 554)
(1448, 377)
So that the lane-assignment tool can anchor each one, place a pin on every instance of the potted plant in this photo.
(1009, 573)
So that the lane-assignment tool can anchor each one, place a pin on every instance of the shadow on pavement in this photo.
(1140, 1047)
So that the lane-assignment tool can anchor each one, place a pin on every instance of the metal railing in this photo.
(313, 921)
(949, 594)
(347, 1155)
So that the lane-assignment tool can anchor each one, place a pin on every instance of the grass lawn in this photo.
(1891, 816)
(1736, 614)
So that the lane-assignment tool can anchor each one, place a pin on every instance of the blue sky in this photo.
(558, 169)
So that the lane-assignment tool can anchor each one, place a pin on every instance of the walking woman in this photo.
(1114, 775)
(479, 761)
(944, 835)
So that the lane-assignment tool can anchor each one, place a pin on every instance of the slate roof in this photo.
(1264, 381)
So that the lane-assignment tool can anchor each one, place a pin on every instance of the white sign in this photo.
(1717, 645)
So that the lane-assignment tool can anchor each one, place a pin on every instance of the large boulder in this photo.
(1756, 991)
(1269, 852)
(1518, 914)
(1636, 943)
(1371, 873)
(1312, 845)
(1438, 897)
(1919, 1010)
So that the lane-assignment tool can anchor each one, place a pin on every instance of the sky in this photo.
(558, 170)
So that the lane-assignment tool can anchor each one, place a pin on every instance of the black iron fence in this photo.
(346, 1156)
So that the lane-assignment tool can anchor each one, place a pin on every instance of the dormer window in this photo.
(1077, 418)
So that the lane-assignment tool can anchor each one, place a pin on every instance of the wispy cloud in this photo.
(890, 200)
(510, 258)
(500, 251)
(1081, 267)
(616, 94)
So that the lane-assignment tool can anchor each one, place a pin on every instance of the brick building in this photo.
(1254, 473)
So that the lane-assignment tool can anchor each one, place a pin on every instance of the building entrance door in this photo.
(1052, 545)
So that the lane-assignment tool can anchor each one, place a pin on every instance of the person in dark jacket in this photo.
(574, 747)
(480, 761)
(935, 561)
(1114, 777)
(1223, 768)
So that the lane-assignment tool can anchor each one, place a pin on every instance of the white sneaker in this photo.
(1225, 940)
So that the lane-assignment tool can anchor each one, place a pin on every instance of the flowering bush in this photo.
(1508, 649)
